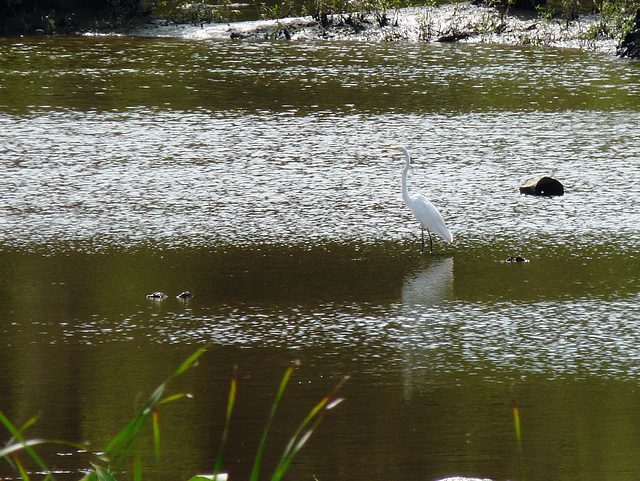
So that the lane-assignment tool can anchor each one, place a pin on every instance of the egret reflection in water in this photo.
(430, 285)
(420, 291)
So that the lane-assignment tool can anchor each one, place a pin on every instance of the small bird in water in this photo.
(517, 259)
(162, 295)
(156, 295)
(423, 210)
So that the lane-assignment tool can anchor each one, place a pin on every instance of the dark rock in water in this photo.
(156, 295)
(630, 45)
(517, 259)
(185, 295)
(543, 186)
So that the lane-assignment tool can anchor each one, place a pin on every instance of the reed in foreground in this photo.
(516, 424)
(110, 462)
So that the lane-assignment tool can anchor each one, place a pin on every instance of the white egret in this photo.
(422, 209)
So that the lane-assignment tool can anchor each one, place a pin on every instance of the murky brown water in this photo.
(254, 175)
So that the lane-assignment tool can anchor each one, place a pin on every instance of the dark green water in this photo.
(254, 175)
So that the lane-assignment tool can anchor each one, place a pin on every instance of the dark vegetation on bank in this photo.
(618, 19)
(50, 17)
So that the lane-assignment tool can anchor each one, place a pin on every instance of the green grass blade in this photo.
(290, 446)
(296, 442)
(516, 424)
(156, 432)
(9, 425)
(173, 397)
(90, 476)
(232, 397)
(28, 424)
(187, 364)
(13, 462)
(102, 473)
(23, 472)
(258, 461)
(24, 427)
(137, 466)
(133, 428)
(121, 445)
(230, 403)
(18, 436)
(286, 462)
(516, 421)
(19, 446)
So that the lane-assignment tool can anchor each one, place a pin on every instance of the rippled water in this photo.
(120, 178)
(255, 175)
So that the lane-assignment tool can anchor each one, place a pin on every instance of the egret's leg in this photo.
(422, 250)
(430, 242)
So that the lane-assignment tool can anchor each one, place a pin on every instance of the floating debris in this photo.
(545, 186)
(156, 295)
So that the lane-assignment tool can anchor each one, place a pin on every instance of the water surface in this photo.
(255, 175)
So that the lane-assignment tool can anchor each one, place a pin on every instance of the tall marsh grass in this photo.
(110, 462)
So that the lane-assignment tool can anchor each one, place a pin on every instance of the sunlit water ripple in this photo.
(576, 337)
(239, 151)
(207, 179)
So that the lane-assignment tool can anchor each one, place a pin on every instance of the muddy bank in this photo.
(462, 22)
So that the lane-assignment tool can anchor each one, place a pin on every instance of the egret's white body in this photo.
(422, 209)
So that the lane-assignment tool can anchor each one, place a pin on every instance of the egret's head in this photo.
(405, 152)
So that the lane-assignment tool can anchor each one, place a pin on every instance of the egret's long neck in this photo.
(405, 189)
